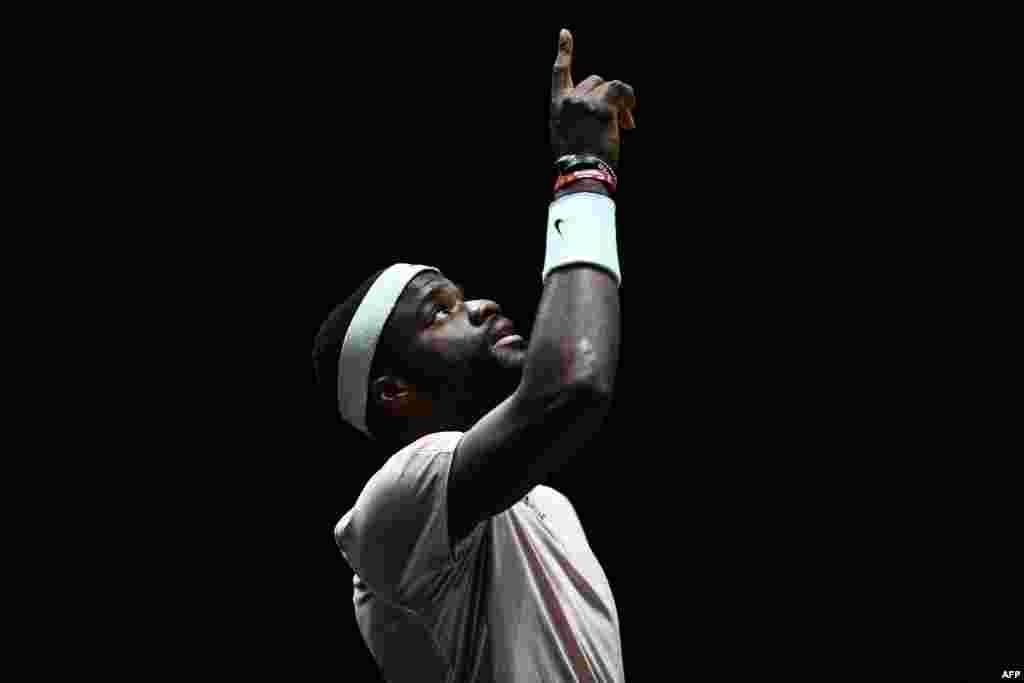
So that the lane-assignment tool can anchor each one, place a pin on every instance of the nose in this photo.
(482, 310)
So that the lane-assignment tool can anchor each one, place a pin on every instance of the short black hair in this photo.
(327, 348)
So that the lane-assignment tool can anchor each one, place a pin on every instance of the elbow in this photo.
(590, 368)
(597, 390)
(571, 370)
(581, 394)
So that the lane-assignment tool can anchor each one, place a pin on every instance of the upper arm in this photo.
(515, 447)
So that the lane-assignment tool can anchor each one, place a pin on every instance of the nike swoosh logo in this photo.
(557, 221)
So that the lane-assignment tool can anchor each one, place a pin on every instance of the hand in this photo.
(587, 118)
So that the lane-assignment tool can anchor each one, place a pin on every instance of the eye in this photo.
(440, 308)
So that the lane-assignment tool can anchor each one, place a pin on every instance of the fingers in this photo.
(561, 75)
(588, 84)
(619, 97)
(628, 122)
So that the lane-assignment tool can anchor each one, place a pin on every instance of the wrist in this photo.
(584, 185)
(567, 163)
(581, 230)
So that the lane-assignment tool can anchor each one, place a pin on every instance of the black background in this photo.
(766, 496)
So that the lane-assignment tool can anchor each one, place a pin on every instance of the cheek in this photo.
(457, 350)
(439, 346)
(445, 353)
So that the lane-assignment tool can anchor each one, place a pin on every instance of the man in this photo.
(467, 567)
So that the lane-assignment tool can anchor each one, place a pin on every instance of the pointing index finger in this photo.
(561, 75)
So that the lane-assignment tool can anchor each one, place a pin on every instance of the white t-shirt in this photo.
(522, 599)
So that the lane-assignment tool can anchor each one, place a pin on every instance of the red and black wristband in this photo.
(593, 173)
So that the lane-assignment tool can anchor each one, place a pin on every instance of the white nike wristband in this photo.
(581, 229)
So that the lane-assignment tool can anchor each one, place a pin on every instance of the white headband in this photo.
(361, 340)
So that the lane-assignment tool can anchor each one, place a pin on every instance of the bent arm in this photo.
(575, 338)
(560, 404)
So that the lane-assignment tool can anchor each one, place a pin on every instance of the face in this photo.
(467, 350)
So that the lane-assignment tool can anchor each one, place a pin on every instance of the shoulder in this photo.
(422, 457)
(420, 451)
(397, 528)
(417, 470)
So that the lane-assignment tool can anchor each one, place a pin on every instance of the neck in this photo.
(417, 428)
(451, 412)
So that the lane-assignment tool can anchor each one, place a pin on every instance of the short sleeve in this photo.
(395, 537)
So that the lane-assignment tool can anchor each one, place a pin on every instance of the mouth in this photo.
(510, 340)
(504, 334)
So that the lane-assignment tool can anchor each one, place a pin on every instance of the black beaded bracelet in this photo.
(576, 162)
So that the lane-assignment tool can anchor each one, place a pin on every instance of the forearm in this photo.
(575, 337)
(574, 345)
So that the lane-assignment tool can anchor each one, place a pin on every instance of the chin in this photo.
(510, 358)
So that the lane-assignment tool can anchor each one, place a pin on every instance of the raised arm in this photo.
(569, 374)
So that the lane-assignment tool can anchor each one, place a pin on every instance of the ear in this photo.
(396, 397)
